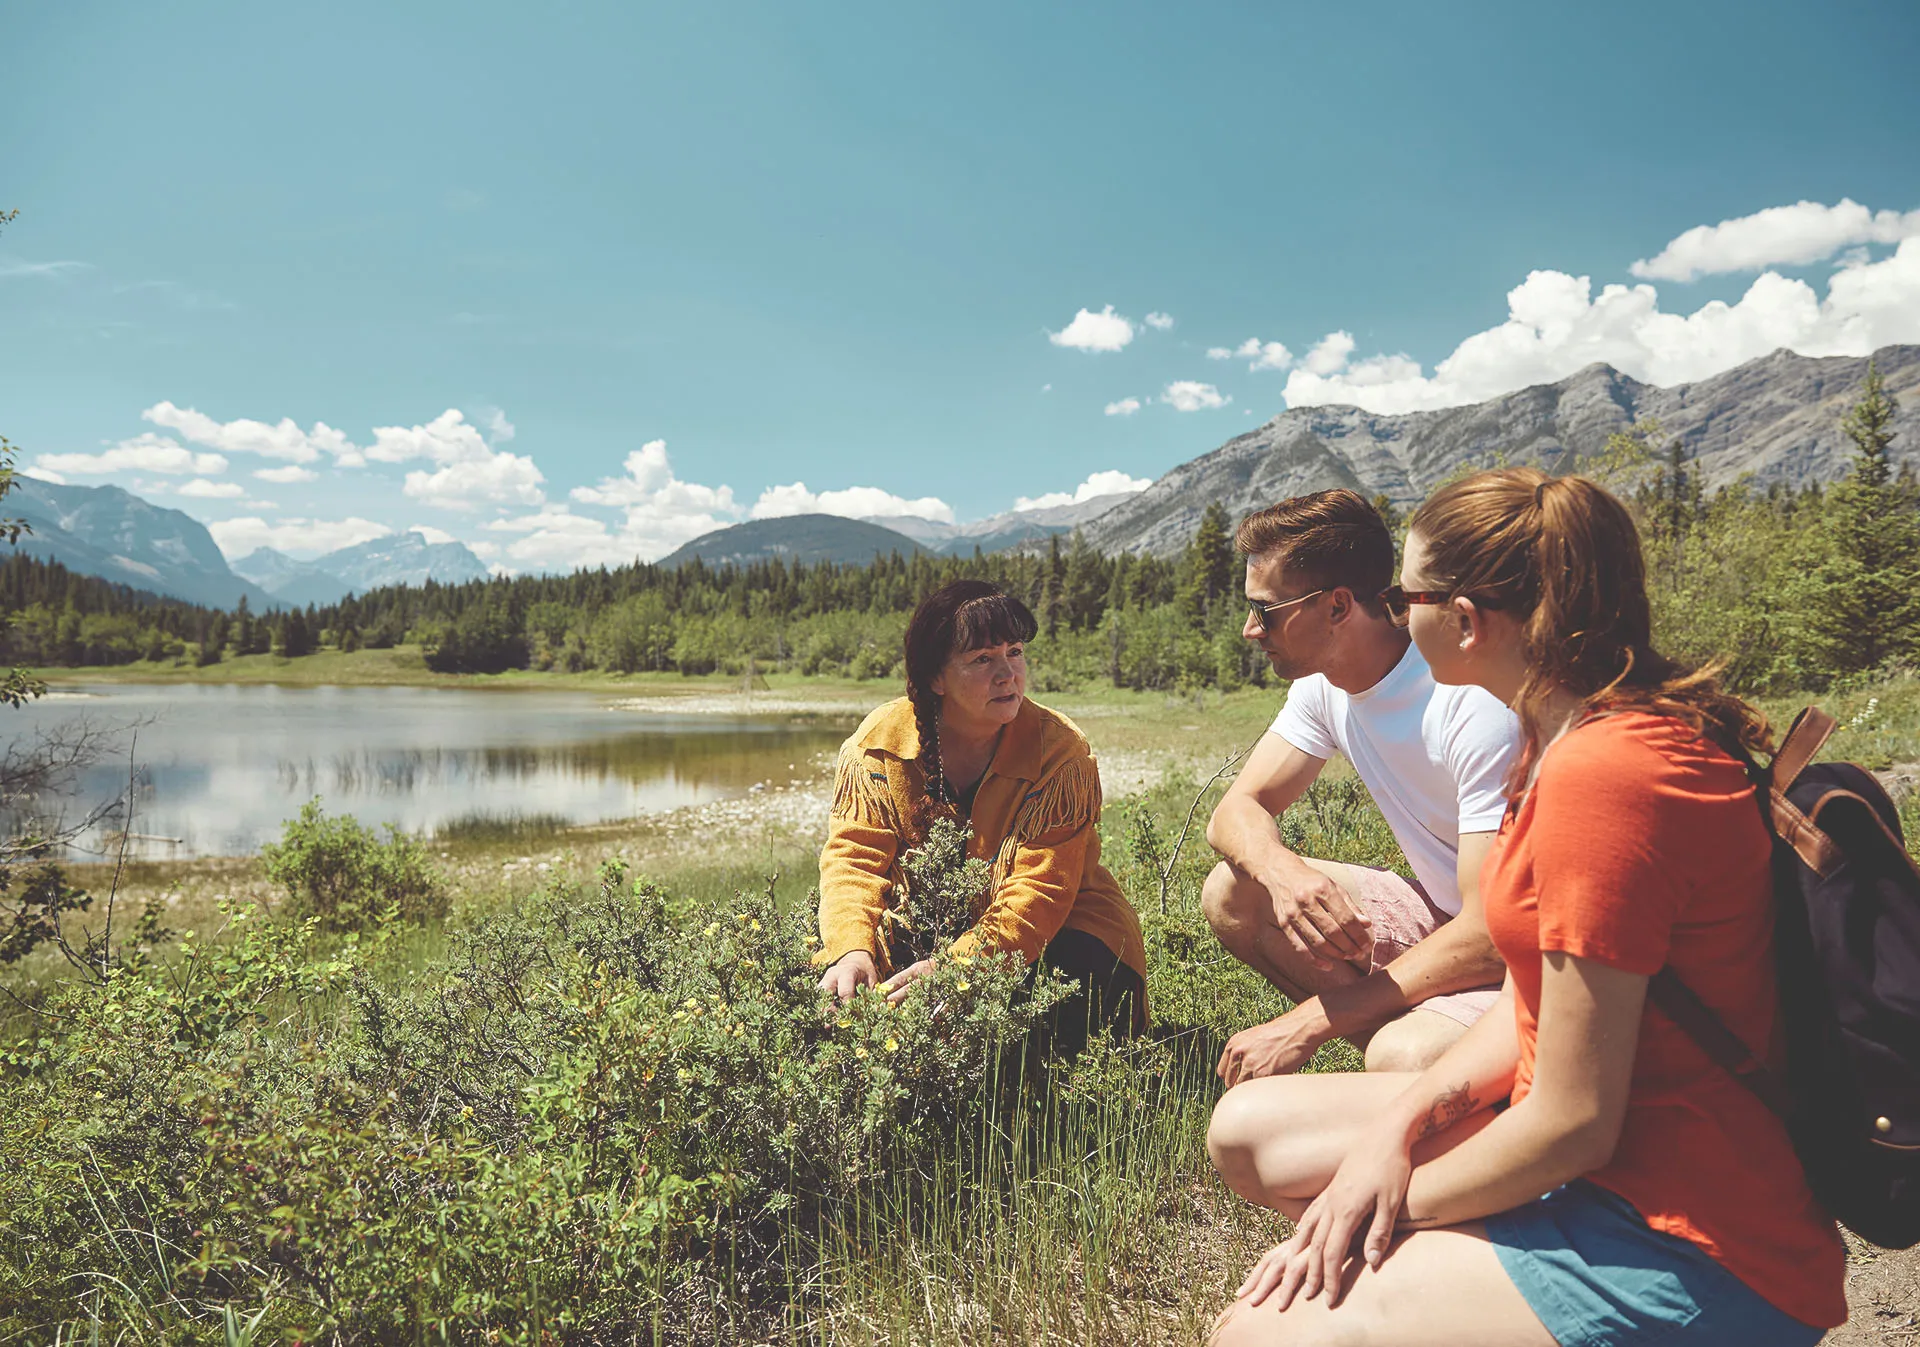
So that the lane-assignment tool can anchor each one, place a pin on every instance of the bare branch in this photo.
(1173, 858)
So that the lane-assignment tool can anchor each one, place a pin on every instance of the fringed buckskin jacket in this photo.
(1034, 819)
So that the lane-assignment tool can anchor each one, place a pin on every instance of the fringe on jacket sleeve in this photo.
(1066, 802)
(1069, 798)
(861, 794)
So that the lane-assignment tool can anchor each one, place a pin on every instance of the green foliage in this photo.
(572, 1125)
(1861, 580)
(1207, 568)
(946, 889)
(339, 872)
(486, 638)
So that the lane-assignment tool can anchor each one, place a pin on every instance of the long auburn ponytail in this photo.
(965, 615)
(1563, 554)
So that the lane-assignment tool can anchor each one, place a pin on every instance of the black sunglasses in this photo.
(1258, 610)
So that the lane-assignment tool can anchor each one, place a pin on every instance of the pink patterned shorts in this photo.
(1403, 916)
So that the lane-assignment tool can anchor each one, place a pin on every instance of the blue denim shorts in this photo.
(1598, 1276)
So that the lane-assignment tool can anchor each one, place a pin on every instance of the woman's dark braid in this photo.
(926, 718)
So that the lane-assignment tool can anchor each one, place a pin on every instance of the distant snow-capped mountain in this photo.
(397, 559)
(111, 533)
(998, 532)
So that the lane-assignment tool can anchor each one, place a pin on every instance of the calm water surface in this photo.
(220, 768)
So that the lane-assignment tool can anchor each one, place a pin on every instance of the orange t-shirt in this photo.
(1641, 845)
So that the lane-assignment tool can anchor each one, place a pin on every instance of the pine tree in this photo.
(1207, 568)
(296, 637)
(1863, 604)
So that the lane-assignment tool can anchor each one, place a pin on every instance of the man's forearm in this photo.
(1248, 839)
(1458, 957)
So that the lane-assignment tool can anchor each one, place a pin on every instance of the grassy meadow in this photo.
(586, 1095)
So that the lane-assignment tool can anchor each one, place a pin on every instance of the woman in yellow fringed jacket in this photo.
(966, 742)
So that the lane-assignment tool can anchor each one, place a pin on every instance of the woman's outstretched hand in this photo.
(895, 987)
(849, 974)
(1366, 1195)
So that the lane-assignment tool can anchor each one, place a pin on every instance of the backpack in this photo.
(1847, 943)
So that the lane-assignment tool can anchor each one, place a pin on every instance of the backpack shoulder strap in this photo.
(1676, 999)
(1805, 737)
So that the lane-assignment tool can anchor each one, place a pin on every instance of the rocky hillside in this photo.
(1776, 418)
(104, 531)
(402, 559)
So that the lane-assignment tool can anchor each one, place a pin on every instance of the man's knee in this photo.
(1413, 1042)
(1232, 901)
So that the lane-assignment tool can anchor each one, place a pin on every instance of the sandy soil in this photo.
(1883, 1295)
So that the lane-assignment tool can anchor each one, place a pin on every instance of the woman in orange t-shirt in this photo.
(1629, 1188)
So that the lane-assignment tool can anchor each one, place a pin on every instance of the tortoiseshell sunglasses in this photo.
(1399, 602)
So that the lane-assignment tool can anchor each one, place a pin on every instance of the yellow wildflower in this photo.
(893, 1045)
(861, 1053)
(961, 986)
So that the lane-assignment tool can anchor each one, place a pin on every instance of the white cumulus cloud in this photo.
(1112, 482)
(470, 472)
(293, 472)
(1793, 236)
(285, 440)
(237, 537)
(1124, 407)
(202, 489)
(497, 479)
(661, 510)
(143, 453)
(1187, 395)
(1261, 354)
(1556, 325)
(432, 534)
(1159, 322)
(1090, 331)
(854, 502)
(1329, 354)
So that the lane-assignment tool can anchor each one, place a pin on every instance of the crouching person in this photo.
(965, 743)
(1631, 1191)
(1403, 968)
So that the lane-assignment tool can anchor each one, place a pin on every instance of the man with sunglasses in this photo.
(1401, 967)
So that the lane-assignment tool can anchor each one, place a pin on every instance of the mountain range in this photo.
(1775, 419)
(396, 559)
(114, 534)
(998, 532)
(811, 538)
(111, 533)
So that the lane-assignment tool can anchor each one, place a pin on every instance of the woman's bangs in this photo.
(995, 619)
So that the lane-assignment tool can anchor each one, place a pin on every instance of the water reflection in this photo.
(220, 768)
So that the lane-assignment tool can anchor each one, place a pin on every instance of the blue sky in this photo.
(574, 282)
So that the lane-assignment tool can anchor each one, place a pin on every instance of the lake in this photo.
(219, 768)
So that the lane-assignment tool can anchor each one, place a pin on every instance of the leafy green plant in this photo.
(339, 871)
(945, 892)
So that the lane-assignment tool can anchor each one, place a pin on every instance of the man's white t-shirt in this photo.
(1434, 758)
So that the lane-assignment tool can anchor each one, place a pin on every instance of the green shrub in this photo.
(339, 871)
(593, 1112)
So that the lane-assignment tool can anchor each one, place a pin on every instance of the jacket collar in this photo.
(1019, 754)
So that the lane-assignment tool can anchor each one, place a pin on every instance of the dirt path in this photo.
(1883, 1293)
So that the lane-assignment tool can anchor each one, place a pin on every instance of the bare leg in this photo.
(1277, 1141)
(1413, 1042)
(1240, 910)
(1435, 1288)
